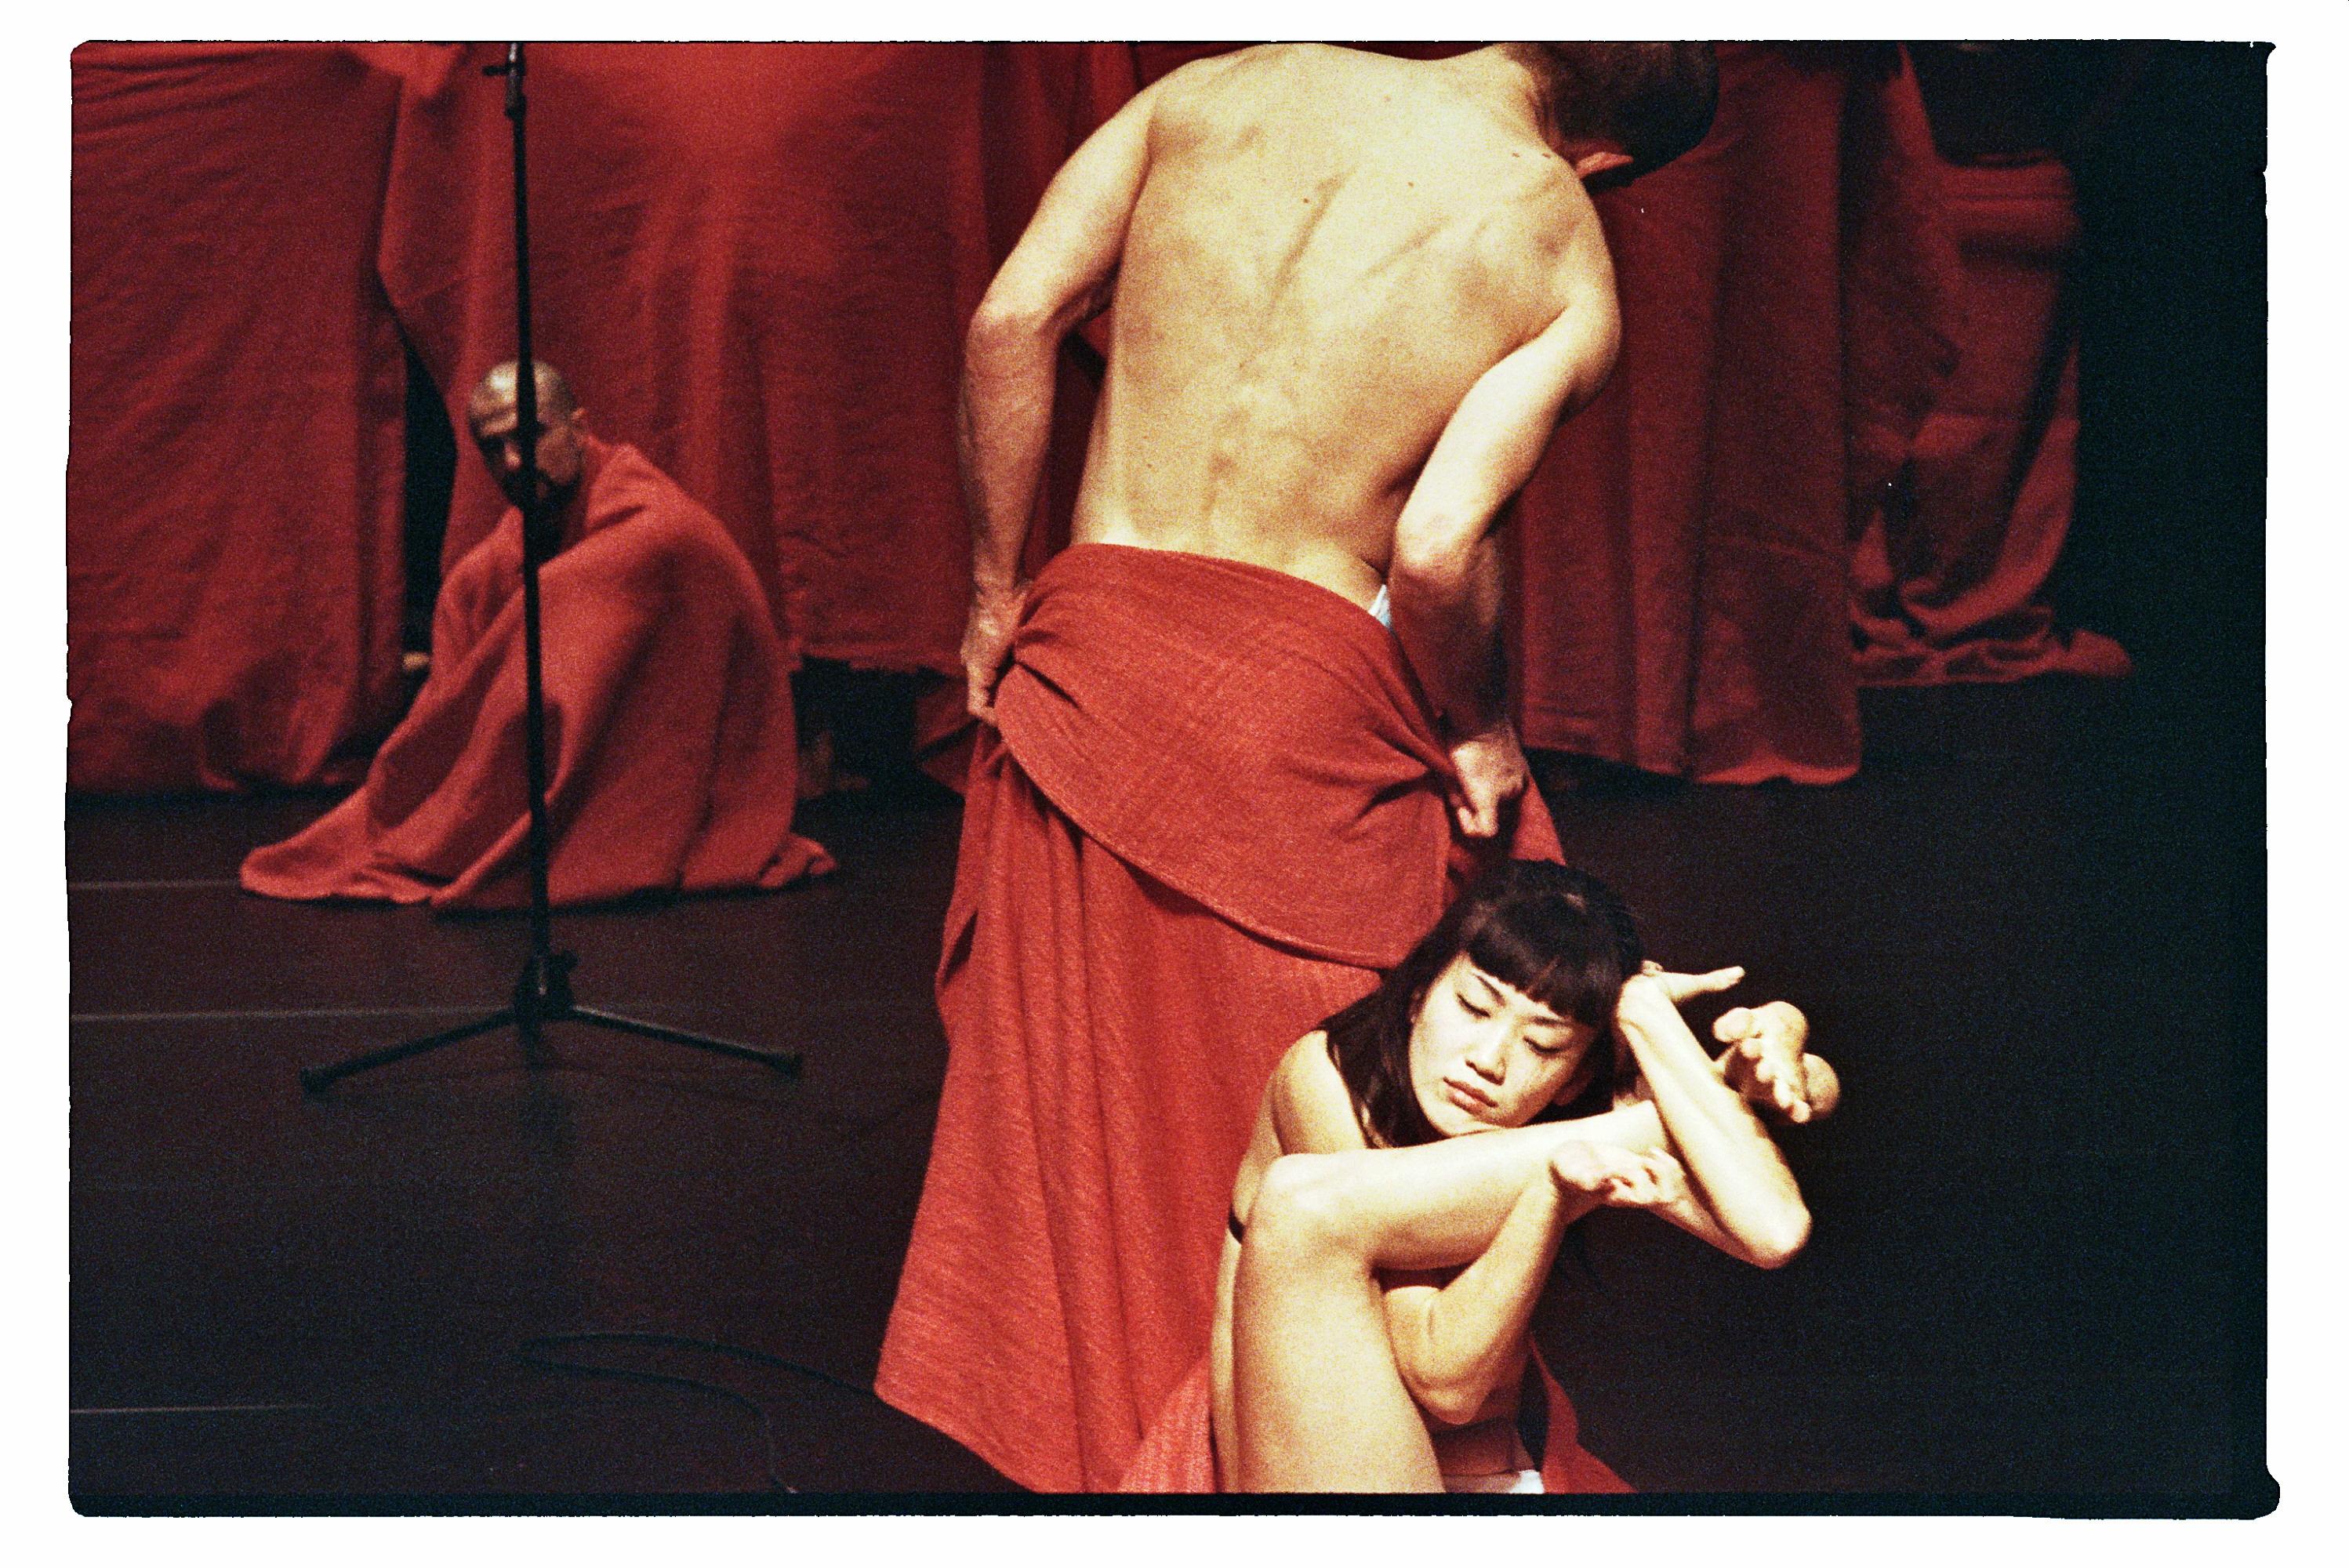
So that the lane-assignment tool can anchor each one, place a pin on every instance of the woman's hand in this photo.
(1767, 1064)
(1679, 988)
(1618, 1177)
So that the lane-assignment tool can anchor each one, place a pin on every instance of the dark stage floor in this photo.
(2029, 935)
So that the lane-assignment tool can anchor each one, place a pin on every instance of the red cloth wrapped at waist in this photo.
(1220, 725)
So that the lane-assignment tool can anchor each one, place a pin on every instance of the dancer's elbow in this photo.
(1451, 1399)
(1777, 1241)
(1435, 557)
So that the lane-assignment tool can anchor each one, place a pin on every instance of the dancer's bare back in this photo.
(1327, 250)
(1354, 296)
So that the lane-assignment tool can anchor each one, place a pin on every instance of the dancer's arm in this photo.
(1745, 1200)
(1062, 272)
(1445, 577)
(1455, 1340)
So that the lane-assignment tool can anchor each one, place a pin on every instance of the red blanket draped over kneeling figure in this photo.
(1211, 812)
(671, 760)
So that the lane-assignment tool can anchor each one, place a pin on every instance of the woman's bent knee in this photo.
(1301, 1221)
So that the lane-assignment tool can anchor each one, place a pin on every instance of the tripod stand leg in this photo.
(785, 1062)
(316, 1080)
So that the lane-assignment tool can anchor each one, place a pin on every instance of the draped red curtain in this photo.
(756, 261)
(1949, 579)
(1788, 306)
(232, 479)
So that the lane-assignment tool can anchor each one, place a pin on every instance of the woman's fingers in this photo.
(1681, 987)
(1666, 1178)
(1645, 1181)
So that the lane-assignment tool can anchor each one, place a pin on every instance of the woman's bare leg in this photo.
(1319, 1399)
(1320, 1406)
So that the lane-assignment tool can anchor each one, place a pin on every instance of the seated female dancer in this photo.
(1373, 1305)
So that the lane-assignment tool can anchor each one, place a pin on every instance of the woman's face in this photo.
(1484, 1055)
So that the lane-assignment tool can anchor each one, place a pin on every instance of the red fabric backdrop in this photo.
(1788, 305)
(1950, 578)
(756, 261)
(233, 487)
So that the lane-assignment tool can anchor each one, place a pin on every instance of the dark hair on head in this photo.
(1557, 934)
(1655, 101)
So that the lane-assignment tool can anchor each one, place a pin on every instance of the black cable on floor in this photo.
(530, 1355)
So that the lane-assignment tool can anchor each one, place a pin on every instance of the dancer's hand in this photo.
(1768, 1063)
(987, 642)
(1619, 1178)
(1681, 987)
(1492, 772)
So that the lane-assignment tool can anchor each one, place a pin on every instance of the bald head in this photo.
(499, 389)
(495, 420)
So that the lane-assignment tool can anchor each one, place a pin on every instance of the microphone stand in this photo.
(542, 994)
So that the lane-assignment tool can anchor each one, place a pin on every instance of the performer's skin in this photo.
(1337, 350)
(1351, 1350)
(494, 415)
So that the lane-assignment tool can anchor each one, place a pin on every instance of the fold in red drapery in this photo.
(1212, 811)
(670, 761)
(232, 487)
(1949, 583)
(1319, 828)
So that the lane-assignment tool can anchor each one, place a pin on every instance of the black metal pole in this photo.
(543, 991)
(537, 991)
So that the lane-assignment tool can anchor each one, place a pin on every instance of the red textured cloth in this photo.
(755, 261)
(1682, 552)
(1212, 813)
(671, 762)
(1950, 580)
(232, 487)
(1178, 1452)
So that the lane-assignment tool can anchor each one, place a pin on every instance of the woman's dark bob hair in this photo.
(1559, 935)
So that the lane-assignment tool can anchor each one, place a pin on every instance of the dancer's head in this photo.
(1645, 103)
(1505, 1009)
(493, 415)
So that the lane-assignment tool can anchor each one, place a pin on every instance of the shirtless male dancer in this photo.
(1354, 296)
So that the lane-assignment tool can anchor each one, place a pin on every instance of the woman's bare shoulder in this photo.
(1311, 1109)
